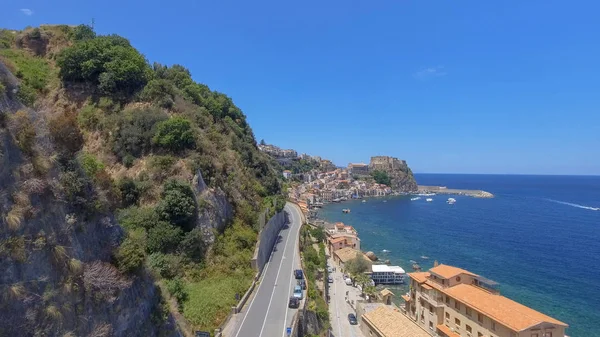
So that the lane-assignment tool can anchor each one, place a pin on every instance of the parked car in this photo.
(352, 319)
(298, 292)
(329, 270)
(301, 283)
(330, 279)
(298, 274)
(294, 302)
(348, 281)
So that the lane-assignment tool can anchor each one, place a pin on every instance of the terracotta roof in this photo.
(391, 323)
(385, 292)
(447, 272)
(339, 224)
(503, 310)
(426, 286)
(406, 298)
(346, 254)
(447, 331)
(335, 240)
(419, 276)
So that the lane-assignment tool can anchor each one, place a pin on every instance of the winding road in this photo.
(268, 314)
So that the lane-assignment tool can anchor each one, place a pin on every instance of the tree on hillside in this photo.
(357, 265)
(83, 32)
(381, 177)
(262, 142)
(109, 62)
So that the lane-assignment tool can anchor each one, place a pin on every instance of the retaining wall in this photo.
(267, 239)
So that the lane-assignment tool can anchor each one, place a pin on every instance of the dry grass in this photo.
(14, 292)
(34, 186)
(75, 266)
(53, 313)
(101, 330)
(14, 219)
(59, 253)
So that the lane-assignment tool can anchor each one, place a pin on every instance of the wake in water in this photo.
(575, 205)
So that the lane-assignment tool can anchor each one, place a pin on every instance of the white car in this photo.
(348, 281)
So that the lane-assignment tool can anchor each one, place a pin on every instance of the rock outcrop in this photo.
(371, 256)
(215, 211)
(399, 172)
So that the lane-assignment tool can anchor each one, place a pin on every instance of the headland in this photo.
(445, 190)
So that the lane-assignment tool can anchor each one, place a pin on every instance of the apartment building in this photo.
(453, 302)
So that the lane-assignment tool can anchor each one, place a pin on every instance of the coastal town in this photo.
(443, 301)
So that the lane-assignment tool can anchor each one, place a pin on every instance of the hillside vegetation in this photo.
(104, 134)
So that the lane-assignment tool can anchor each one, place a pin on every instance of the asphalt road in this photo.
(268, 314)
(339, 308)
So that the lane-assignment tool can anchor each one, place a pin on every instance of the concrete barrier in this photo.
(266, 240)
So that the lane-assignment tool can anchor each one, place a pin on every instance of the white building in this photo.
(287, 174)
(384, 274)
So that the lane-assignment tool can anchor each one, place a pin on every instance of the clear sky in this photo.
(450, 86)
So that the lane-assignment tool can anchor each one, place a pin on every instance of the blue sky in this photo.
(450, 86)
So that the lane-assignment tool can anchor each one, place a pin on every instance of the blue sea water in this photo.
(539, 238)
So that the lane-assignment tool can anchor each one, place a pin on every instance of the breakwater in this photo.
(445, 190)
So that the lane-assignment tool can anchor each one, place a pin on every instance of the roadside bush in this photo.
(178, 205)
(176, 288)
(132, 252)
(175, 134)
(135, 130)
(163, 237)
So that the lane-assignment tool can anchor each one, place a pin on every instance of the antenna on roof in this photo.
(435, 263)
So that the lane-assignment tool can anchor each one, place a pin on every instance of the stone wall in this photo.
(267, 239)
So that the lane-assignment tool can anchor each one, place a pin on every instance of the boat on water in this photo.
(415, 198)
(336, 200)
(424, 257)
(413, 261)
(429, 200)
(451, 201)
(364, 200)
(346, 210)
(385, 201)
(385, 251)
(426, 194)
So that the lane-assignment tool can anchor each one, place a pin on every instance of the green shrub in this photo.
(192, 245)
(91, 118)
(6, 38)
(177, 289)
(160, 166)
(129, 192)
(166, 265)
(90, 164)
(26, 94)
(132, 252)
(110, 62)
(32, 71)
(83, 32)
(138, 218)
(163, 237)
(178, 204)
(175, 134)
(134, 131)
(159, 91)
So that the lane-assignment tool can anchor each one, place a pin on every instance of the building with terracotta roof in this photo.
(386, 321)
(453, 302)
(344, 255)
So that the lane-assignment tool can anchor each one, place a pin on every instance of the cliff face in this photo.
(55, 257)
(401, 175)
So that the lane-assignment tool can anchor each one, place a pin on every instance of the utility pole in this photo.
(93, 21)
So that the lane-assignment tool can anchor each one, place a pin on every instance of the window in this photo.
(431, 325)
(493, 326)
(457, 323)
(430, 310)
(535, 335)
(448, 300)
(448, 317)
(480, 317)
(468, 311)
(469, 330)
(479, 334)
(457, 305)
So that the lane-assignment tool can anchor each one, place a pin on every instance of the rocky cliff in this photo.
(401, 175)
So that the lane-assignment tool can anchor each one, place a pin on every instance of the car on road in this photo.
(348, 281)
(298, 292)
(330, 279)
(352, 319)
(301, 283)
(298, 274)
(329, 270)
(294, 302)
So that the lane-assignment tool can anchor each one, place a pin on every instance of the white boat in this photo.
(451, 201)
(429, 200)
(385, 201)
(364, 200)
(415, 198)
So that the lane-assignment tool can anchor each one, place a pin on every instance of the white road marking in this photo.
(273, 293)
(291, 279)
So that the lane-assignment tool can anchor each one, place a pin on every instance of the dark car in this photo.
(352, 319)
(301, 283)
(298, 274)
(294, 302)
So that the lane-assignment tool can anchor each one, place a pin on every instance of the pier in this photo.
(445, 190)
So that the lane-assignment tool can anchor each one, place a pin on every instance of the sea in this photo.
(539, 238)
